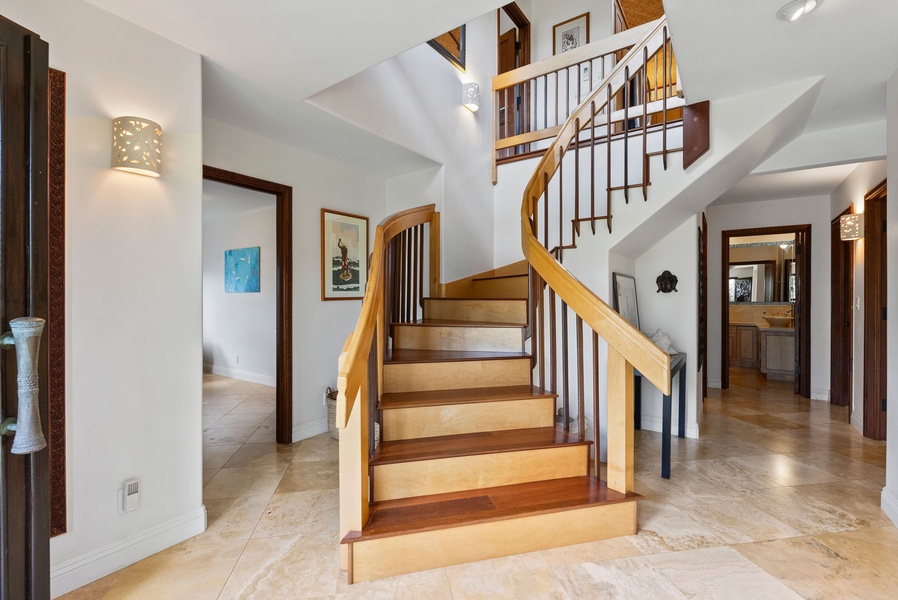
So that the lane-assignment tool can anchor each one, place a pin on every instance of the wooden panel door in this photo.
(24, 487)
(841, 336)
(875, 302)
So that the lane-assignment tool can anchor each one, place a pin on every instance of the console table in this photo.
(677, 362)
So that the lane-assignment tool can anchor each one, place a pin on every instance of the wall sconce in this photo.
(137, 146)
(851, 227)
(471, 96)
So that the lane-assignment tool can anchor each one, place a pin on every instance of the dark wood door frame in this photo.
(24, 283)
(284, 249)
(802, 304)
(875, 302)
(841, 346)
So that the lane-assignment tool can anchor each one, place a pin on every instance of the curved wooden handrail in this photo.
(355, 354)
(631, 343)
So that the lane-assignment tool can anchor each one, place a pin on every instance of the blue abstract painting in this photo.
(241, 267)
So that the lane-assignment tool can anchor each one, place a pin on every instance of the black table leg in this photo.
(681, 429)
(665, 439)
(637, 402)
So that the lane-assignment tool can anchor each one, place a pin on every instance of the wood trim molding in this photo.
(284, 236)
(56, 303)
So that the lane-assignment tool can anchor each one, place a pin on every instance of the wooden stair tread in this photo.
(476, 298)
(471, 444)
(404, 355)
(441, 511)
(457, 323)
(461, 396)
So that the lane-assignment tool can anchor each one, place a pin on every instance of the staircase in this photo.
(471, 465)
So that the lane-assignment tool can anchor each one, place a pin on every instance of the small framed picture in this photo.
(625, 298)
(344, 255)
(570, 34)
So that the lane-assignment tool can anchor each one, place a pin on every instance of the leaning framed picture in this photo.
(570, 34)
(625, 298)
(344, 255)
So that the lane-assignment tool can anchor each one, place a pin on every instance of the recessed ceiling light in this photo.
(796, 10)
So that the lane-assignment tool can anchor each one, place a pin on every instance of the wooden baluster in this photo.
(664, 43)
(581, 402)
(546, 101)
(595, 402)
(620, 422)
(420, 303)
(413, 296)
(546, 210)
(592, 167)
(409, 269)
(373, 395)
(608, 157)
(403, 279)
(577, 176)
(565, 376)
(542, 332)
(626, 91)
(643, 82)
(553, 363)
(560, 204)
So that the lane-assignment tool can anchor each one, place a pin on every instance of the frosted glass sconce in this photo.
(471, 96)
(851, 227)
(137, 146)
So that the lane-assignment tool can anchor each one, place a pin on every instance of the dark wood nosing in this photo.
(455, 323)
(473, 507)
(475, 298)
(491, 277)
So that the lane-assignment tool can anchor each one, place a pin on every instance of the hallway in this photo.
(779, 499)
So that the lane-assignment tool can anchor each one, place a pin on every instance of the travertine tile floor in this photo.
(779, 499)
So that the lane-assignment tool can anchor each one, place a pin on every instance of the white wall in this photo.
(772, 213)
(676, 313)
(852, 191)
(890, 493)
(425, 115)
(240, 330)
(319, 328)
(133, 311)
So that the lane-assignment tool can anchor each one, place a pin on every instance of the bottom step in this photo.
(417, 534)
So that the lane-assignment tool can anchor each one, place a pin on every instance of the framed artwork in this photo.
(241, 270)
(344, 255)
(570, 34)
(740, 289)
(451, 45)
(625, 298)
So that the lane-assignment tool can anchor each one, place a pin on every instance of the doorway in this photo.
(753, 340)
(284, 290)
(513, 51)
(841, 317)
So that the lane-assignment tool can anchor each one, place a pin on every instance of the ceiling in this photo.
(262, 59)
(791, 184)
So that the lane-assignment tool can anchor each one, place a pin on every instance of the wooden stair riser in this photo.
(502, 287)
(483, 339)
(442, 475)
(450, 375)
(397, 555)
(478, 310)
(433, 421)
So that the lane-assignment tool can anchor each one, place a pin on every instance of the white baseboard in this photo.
(820, 394)
(714, 383)
(241, 375)
(310, 429)
(653, 423)
(93, 565)
(890, 504)
(857, 421)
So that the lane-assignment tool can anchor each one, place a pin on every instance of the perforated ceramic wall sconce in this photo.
(137, 146)
(851, 227)
(471, 96)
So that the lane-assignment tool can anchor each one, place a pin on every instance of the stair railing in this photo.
(555, 292)
(405, 246)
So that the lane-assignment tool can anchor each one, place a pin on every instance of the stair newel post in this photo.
(354, 488)
(620, 422)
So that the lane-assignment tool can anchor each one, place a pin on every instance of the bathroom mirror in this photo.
(761, 270)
